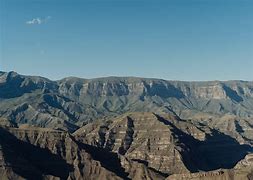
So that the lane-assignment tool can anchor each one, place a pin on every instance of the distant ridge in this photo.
(72, 101)
(127, 77)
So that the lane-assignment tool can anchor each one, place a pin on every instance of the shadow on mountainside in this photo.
(29, 161)
(108, 160)
(111, 161)
(221, 151)
(216, 151)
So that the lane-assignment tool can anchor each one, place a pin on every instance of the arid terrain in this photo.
(125, 128)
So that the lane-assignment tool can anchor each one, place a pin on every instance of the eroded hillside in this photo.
(124, 128)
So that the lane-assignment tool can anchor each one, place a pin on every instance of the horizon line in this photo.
(116, 76)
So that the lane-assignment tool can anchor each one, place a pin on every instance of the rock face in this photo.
(138, 136)
(130, 146)
(37, 153)
(164, 142)
(72, 102)
(46, 154)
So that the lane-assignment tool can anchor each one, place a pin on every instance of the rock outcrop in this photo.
(39, 153)
(138, 136)
(164, 142)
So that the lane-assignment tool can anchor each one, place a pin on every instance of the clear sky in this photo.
(169, 39)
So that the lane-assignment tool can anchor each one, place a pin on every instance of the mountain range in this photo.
(125, 128)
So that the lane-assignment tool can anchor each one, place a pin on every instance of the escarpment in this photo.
(69, 103)
(124, 128)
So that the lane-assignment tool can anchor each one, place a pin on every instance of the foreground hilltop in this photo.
(72, 102)
(131, 146)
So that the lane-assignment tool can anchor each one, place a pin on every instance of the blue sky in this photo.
(169, 39)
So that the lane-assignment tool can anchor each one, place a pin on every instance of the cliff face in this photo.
(39, 153)
(138, 136)
(165, 143)
(46, 154)
(69, 103)
(130, 146)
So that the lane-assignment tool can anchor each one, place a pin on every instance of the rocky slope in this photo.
(39, 153)
(124, 128)
(138, 136)
(165, 142)
(131, 146)
(72, 102)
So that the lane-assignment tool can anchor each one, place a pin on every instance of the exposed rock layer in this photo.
(71, 102)
(37, 153)
(165, 142)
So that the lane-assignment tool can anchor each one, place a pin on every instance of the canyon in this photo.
(125, 128)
